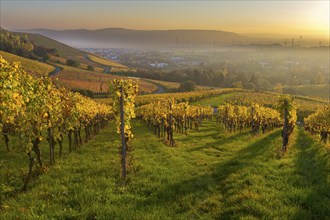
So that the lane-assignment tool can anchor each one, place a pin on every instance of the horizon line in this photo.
(311, 36)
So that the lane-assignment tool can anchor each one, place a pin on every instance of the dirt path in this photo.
(55, 71)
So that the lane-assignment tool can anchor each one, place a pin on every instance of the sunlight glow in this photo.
(318, 19)
(308, 18)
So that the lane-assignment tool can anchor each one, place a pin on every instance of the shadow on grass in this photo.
(216, 135)
(221, 141)
(312, 168)
(184, 194)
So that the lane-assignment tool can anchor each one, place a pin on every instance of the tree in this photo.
(249, 85)
(320, 78)
(218, 78)
(52, 51)
(225, 72)
(187, 86)
(15, 44)
(73, 63)
(278, 88)
(238, 84)
(46, 57)
(254, 80)
(90, 67)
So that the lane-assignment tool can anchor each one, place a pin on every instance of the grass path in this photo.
(209, 174)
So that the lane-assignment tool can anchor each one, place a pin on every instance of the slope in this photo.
(209, 175)
(30, 66)
(115, 67)
(62, 49)
(80, 79)
(65, 52)
(86, 77)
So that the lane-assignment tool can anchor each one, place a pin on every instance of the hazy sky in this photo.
(282, 17)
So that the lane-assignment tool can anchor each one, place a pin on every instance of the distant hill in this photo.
(118, 37)
(34, 46)
(39, 47)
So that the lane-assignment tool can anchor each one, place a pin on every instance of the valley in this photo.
(164, 110)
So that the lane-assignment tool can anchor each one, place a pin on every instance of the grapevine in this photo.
(287, 109)
(29, 106)
(124, 93)
(319, 123)
(165, 116)
(237, 117)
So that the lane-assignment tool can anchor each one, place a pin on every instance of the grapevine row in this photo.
(256, 117)
(124, 93)
(179, 97)
(165, 116)
(237, 117)
(319, 123)
(305, 106)
(34, 109)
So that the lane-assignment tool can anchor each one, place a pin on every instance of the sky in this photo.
(309, 18)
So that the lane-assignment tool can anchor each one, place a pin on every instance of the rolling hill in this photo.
(65, 51)
(79, 79)
(62, 49)
(72, 77)
(40, 46)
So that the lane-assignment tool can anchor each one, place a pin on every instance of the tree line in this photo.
(21, 46)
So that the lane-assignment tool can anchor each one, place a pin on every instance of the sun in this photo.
(319, 17)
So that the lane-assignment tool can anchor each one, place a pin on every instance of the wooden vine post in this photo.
(171, 123)
(122, 133)
(287, 109)
(30, 105)
(123, 93)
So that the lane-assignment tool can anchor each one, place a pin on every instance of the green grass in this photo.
(106, 62)
(321, 91)
(215, 101)
(168, 86)
(210, 174)
(30, 66)
(62, 49)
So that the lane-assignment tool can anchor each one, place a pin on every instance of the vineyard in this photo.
(179, 97)
(114, 66)
(172, 85)
(238, 118)
(221, 153)
(75, 78)
(30, 106)
(305, 105)
(30, 66)
(319, 124)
